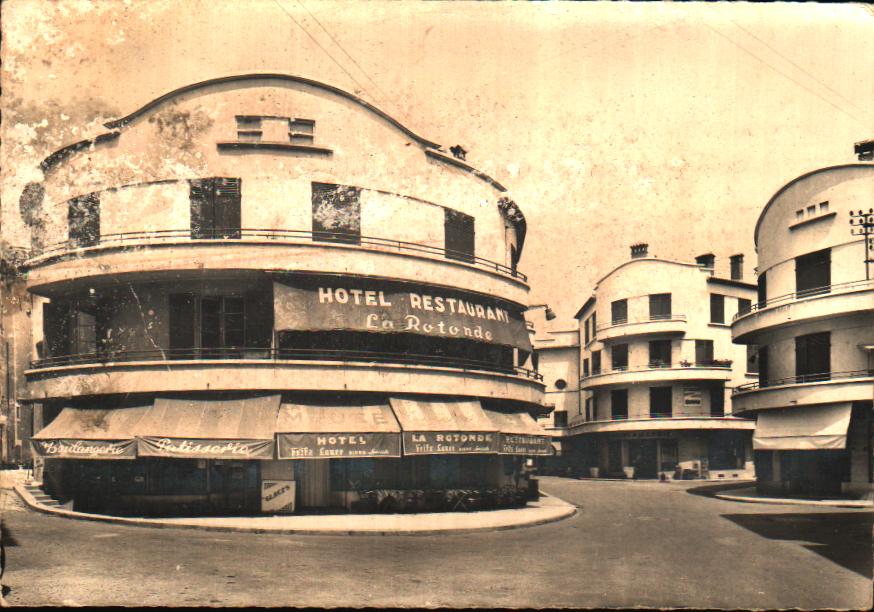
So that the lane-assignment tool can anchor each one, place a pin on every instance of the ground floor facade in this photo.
(211, 454)
(681, 454)
(816, 451)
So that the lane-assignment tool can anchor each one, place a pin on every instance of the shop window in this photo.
(703, 352)
(762, 289)
(353, 475)
(744, 306)
(178, 477)
(717, 401)
(813, 273)
(717, 308)
(459, 235)
(660, 402)
(659, 353)
(619, 357)
(83, 219)
(215, 208)
(670, 455)
(813, 357)
(559, 418)
(660, 306)
(619, 404)
(619, 312)
(596, 362)
(444, 471)
(336, 213)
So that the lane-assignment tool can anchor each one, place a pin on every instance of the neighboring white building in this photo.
(260, 279)
(657, 364)
(813, 326)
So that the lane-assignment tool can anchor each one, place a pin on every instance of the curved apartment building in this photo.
(271, 295)
(812, 328)
(658, 365)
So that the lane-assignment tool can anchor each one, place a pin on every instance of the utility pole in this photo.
(862, 224)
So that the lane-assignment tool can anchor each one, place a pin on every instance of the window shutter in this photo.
(202, 210)
(181, 321)
(227, 207)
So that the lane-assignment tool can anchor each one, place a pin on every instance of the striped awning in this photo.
(446, 426)
(519, 434)
(78, 433)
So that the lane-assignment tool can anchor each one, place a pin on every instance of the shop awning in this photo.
(90, 434)
(306, 431)
(519, 434)
(444, 427)
(805, 428)
(209, 429)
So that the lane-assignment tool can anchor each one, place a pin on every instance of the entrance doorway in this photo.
(233, 486)
(644, 458)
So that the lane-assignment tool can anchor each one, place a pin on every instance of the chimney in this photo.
(639, 250)
(708, 260)
(737, 266)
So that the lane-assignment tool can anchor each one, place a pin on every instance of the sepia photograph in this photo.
(449, 304)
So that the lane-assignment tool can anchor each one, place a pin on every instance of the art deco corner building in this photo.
(270, 295)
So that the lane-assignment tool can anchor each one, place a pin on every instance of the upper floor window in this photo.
(619, 357)
(586, 329)
(660, 306)
(275, 129)
(619, 312)
(717, 400)
(813, 357)
(660, 402)
(619, 404)
(83, 218)
(459, 235)
(659, 353)
(585, 367)
(752, 359)
(762, 358)
(588, 408)
(813, 273)
(762, 289)
(594, 329)
(596, 362)
(336, 213)
(703, 352)
(717, 308)
(560, 418)
(219, 323)
(744, 306)
(215, 208)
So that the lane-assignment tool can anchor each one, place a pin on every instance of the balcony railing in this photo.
(266, 354)
(661, 365)
(804, 378)
(788, 298)
(282, 236)
(650, 319)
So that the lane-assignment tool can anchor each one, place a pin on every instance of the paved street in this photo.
(646, 544)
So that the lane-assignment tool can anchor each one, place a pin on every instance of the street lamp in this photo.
(550, 314)
(862, 224)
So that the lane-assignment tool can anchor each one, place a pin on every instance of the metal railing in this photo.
(650, 319)
(804, 378)
(267, 354)
(724, 364)
(788, 298)
(70, 247)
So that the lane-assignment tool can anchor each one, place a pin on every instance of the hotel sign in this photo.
(148, 446)
(449, 442)
(85, 449)
(361, 305)
(338, 445)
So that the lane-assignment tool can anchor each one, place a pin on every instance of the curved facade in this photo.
(657, 369)
(812, 328)
(270, 236)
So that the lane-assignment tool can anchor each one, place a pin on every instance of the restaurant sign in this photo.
(521, 444)
(85, 449)
(338, 445)
(149, 446)
(364, 305)
(449, 442)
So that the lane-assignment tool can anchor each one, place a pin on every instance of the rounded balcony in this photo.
(656, 324)
(152, 253)
(663, 424)
(657, 373)
(809, 305)
(238, 369)
(810, 389)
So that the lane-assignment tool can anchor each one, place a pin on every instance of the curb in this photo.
(567, 511)
(837, 503)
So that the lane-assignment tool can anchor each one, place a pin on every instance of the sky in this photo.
(610, 123)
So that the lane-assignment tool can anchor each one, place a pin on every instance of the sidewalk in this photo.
(750, 495)
(547, 509)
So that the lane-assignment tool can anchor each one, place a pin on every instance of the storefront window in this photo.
(669, 455)
(178, 477)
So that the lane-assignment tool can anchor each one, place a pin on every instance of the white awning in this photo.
(805, 428)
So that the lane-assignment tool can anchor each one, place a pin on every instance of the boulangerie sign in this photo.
(366, 305)
(85, 449)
